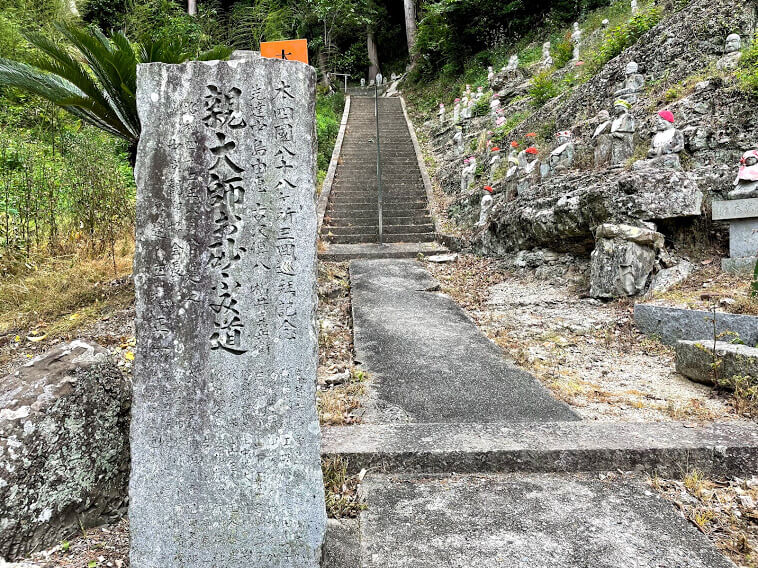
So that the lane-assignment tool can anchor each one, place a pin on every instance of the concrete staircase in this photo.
(352, 213)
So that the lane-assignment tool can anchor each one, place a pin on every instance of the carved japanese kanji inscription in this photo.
(225, 436)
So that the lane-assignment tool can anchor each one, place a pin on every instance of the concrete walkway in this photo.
(527, 521)
(428, 362)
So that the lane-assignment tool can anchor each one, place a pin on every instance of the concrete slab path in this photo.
(529, 521)
(427, 360)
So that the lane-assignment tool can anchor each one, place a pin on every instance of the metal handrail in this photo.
(378, 159)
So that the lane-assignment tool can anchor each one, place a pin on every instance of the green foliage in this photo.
(165, 20)
(100, 91)
(748, 70)
(754, 282)
(328, 116)
(501, 133)
(105, 14)
(562, 51)
(543, 88)
(618, 38)
(482, 106)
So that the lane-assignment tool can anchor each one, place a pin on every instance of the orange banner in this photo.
(291, 50)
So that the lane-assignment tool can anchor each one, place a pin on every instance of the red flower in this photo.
(494, 149)
(531, 150)
(488, 188)
(531, 134)
(514, 144)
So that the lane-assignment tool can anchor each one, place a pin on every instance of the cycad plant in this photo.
(96, 78)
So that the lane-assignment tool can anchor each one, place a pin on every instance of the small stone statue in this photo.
(458, 141)
(605, 23)
(468, 172)
(635, 9)
(732, 53)
(479, 93)
(633, 84)
(562, 157)
(622, 133)
(490, 74)
(470, 106)
(746, 183)
(665, 146)
(394, 77)
(485, 206)
(494, 104)
(528, 169)
(464, 106)
(547, 59)
(602, 139)
(576, 39)
(363, 82)
(457, 111)
(441, 113)
(494, 161)
(512, 64)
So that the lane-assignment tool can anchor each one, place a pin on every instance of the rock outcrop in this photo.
(64, 447)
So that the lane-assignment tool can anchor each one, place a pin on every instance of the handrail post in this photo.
(378, 160)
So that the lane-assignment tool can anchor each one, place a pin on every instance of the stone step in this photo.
(716, 449)
(357, 221)
(343, 252)
(389, 238)
(374, 229)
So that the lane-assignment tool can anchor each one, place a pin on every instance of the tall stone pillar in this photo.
(225, 438)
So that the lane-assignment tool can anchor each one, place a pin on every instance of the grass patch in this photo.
(341, 489)
(336, 405)
(59, 295)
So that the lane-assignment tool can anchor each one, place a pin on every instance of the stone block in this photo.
(673, 324)
(669, 277)
(225, 434)
(743, 238)
(695, 360)
(64, 447)
(744, 265)
(620, 268)
(735, 209)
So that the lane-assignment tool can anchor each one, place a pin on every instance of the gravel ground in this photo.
(587, 352)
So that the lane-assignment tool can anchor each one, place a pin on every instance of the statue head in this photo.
(564, 136)
(480, 89)
(546, 49)
(621, 107)
(632, 68)
(603, 116)
(664, 120)
(457, 102)
(605, 23)
(733, 43)
(576, 26)
(748, 166)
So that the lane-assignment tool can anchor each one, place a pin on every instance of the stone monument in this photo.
(561, 157)
(732, 53)
(623, 128)
(665, 145)
(576, 39)
(746, 182)
(547, 59)
(458, 141)
(225, 439)
(741, 211)
(485, 206)
(602, 139)
(468, 172)
(634, 82)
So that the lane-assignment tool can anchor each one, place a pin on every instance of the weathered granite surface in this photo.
(64, 452)
(723, 210)
(672, 324)
(716, 449)
(695, 360)
(225, 436)
(534, 521)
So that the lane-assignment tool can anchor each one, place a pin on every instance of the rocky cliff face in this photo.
(559, 201)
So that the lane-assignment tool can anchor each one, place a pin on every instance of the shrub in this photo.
(482, 106)
(562, 51)
(328, 115)
(543, 88)
(748, 70)
(619, 38)
(105, 14)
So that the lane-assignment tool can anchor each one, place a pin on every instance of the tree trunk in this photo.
(323, 65)
(410, 25)
(373, 56)
(192, 7)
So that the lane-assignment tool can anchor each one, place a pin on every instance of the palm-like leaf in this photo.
(98, 82)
